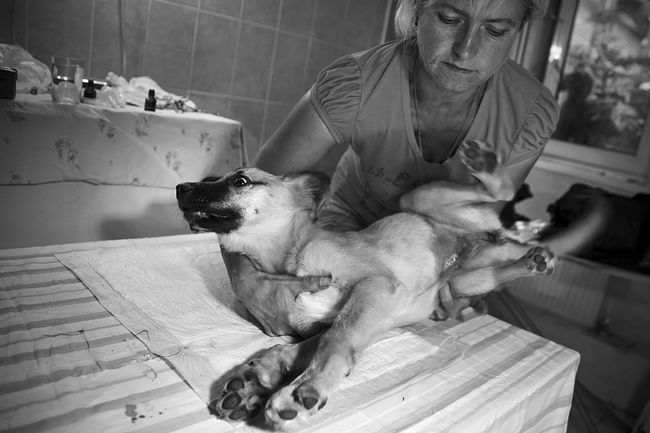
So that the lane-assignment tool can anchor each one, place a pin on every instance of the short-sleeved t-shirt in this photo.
(365, 102)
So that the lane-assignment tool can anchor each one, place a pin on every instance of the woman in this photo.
(402, 108)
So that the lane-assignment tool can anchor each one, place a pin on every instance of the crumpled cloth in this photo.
(31, 72)
(136, 90)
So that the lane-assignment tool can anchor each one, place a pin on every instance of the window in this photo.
(598, 66)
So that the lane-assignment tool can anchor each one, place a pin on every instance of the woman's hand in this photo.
(270, 298)
(449, 307)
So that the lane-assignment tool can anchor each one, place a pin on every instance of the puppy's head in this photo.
(247, 197)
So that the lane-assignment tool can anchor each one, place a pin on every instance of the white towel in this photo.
(175, 296)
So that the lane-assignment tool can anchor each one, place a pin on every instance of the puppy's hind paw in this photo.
(242, 397)
(540, 260)
(478, 157)
(244, 391)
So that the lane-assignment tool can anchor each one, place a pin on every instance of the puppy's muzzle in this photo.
(204, 207)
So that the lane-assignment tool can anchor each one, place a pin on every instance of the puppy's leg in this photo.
(246, 389)
(495, 254)
(468, 207)
(372, 308)
(479, 281)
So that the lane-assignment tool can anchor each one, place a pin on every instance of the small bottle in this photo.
(150, 102)
(89, 91)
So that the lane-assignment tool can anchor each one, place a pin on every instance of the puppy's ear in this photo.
(315, 183)
(318, 183)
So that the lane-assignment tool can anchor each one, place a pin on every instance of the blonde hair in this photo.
(409, 10)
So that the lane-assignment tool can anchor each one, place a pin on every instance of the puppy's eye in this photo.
(241, 181)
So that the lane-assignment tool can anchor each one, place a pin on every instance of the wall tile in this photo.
(250, 114)
(54, 30)
(289, 68)
(330, 21)
(107, 57)
(253, 61)
(43, 26)
(169, 44)
(321, 55)
(136, 19)
(179, 91)
(297, 16)
(6, 21)
(262, 11)
(214, 54)
(185, 2)
(20, 23)
(226, 7)
(364, 23)
(275, 114)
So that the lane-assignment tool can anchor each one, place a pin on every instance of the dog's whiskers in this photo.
(174, 210)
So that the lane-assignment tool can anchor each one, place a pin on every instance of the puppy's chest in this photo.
(323, 257)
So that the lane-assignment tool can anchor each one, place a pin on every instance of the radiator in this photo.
(574, 291)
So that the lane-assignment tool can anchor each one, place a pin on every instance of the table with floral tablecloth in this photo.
(65, 161)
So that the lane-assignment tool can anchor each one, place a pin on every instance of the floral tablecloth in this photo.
(86, 173)
(45, 142)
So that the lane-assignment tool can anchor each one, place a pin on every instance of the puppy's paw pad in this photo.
(478, 157)
(242, 397)
(540, 261)
(308, 397)
(293, 405)
(287, 414)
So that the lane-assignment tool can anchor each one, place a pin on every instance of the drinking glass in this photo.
(67, 76)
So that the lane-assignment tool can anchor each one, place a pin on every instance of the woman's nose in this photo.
(467, 43)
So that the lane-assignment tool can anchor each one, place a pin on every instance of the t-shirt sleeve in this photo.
(336, 96)
(540, 124)
(528, 147)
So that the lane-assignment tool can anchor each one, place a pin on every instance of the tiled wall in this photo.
(246, 59)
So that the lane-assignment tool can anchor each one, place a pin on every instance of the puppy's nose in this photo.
(182, 188)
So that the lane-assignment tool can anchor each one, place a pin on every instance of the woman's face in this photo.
(463, 42)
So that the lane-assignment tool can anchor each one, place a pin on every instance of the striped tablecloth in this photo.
(67, 364)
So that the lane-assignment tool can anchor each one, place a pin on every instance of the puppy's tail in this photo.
(583, 232)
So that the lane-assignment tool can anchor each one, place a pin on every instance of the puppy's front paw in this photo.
(243, 395)
(478, 157)
(244, 391)
(540, 260)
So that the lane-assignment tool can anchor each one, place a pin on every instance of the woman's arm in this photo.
(270, 298)
(300, 142)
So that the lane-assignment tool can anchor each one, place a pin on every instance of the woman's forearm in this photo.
(270, 298)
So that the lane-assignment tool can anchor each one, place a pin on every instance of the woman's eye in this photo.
(240, 181)
(449, 19)
(496, 32)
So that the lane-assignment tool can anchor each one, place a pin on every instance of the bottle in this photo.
(150, 102)
(8, 77)
(89, 91)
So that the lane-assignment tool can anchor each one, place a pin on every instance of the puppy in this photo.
(385, 276)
